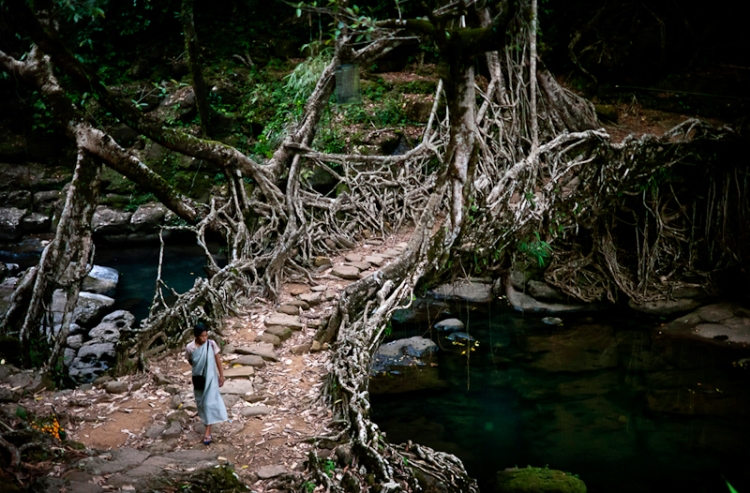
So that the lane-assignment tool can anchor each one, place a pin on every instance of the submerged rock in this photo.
(450, 325)
(404, 365)
(461, 338)
(421, 310)
(525, 303)
(663, 308)
(722, 322)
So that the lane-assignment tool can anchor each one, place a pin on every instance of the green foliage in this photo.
(731, 488)
(328, 467)
(309, 486)
(536, 249)
(659, 177)
(301, 82)
(138, 199)
(329, 140)
(41, 117)
(419, 87)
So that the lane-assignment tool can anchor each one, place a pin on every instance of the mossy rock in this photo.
(606, 112)
(537, 480)
(114, 182)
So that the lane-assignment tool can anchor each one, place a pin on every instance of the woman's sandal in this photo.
(207, 440)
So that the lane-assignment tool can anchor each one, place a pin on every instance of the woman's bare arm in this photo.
(220, 368)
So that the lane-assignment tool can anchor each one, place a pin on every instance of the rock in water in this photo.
(538, 480)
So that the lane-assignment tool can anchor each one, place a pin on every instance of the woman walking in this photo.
(203, 355)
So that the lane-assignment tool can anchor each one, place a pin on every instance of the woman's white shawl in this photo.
(210, 405)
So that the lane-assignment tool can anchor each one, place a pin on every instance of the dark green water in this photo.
(137, 265)
(604, 397)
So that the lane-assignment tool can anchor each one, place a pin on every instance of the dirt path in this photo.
(270, 431)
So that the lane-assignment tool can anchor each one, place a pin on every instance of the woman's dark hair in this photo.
(199, 329)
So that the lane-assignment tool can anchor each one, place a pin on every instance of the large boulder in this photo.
(179, 105)
(405, 365)
(525, 303)
(422, 310)
(464, 290)
(104, 332)
(16, 198)
(402, 350)
(89, 308)
(148, 217)
(92, 360)
(31, 175)
(11, 219)
(101, 280)
(36, 222)
(46, 200)
(663, 308)
(110, 221)
(449, 325)
(720, 323)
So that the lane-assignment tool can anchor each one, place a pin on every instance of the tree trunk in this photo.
(196, 72)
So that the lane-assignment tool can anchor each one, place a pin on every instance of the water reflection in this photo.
(182, 264)
(609, 399)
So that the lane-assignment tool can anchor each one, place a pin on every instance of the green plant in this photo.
(731, 488)
(137, 200)
(309, 486)
(301, 82)
(328, 467)
(536, 249)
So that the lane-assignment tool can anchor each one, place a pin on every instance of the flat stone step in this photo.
(288, 310)
(312, 299)
(353, 257)
(238, 387)
(375, 260)
(303, 305)
(263, 350)
(240, 372)
(282, 333)
(318, 288)
(251, 411)
(249, 360)
(269, 338)
(345, 272)
(360, 265)
(391, 252)
(291, 321)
